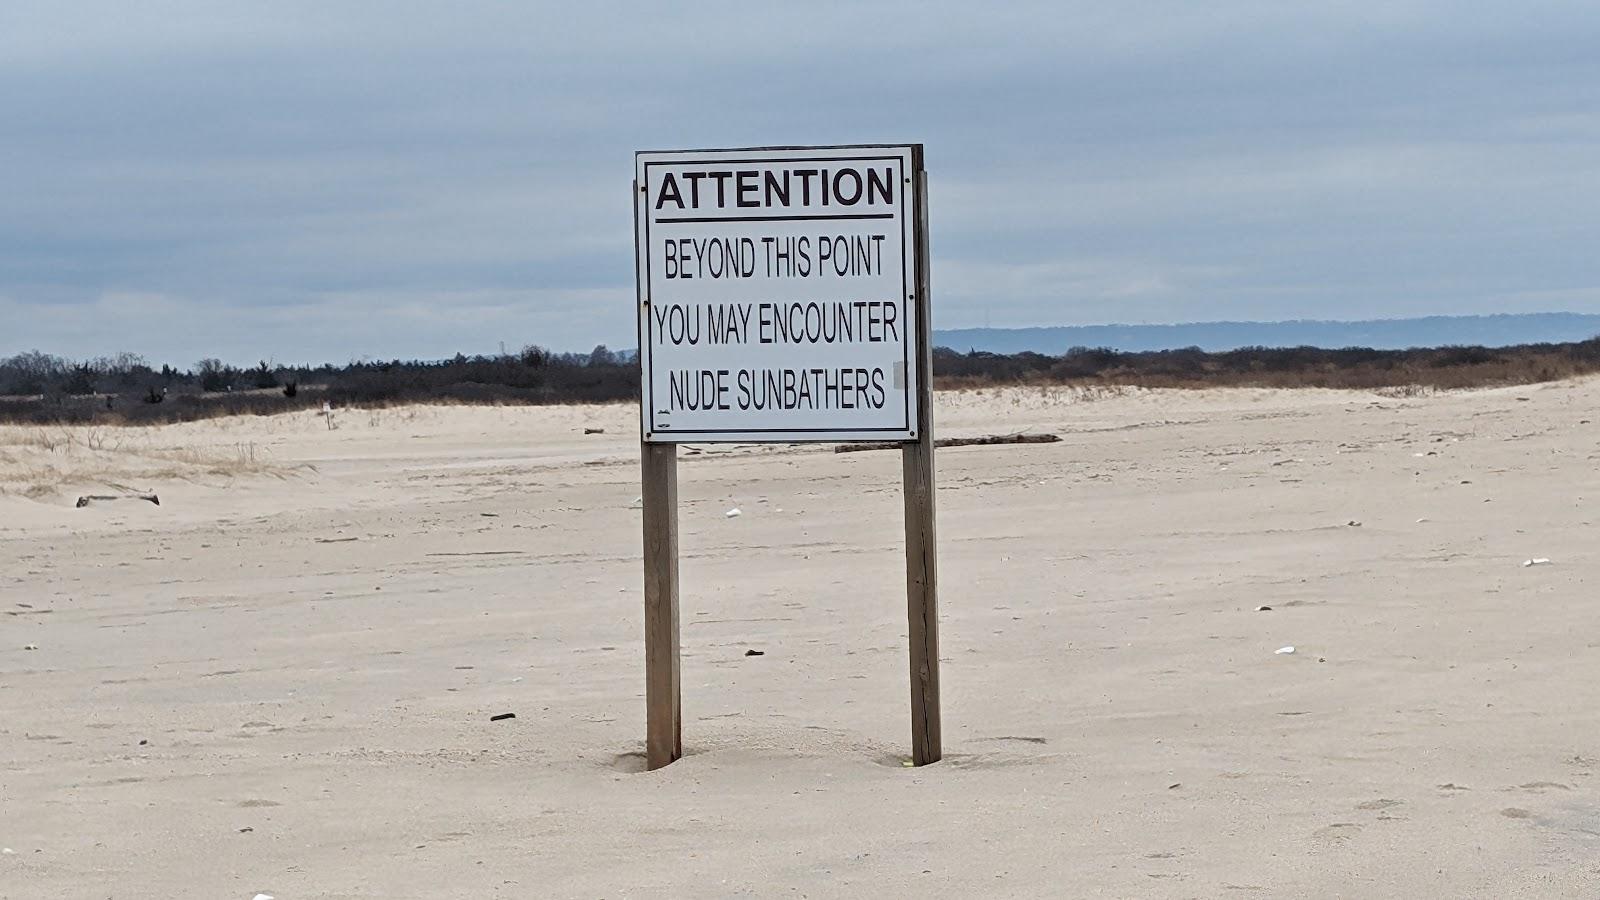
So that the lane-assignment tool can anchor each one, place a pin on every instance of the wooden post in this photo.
(922, 574)
(662, 689)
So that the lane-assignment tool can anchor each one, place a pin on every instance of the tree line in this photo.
(39, 387)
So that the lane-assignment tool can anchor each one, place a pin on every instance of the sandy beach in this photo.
(280, 680)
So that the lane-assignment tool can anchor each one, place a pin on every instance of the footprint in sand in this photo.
(1019, 739)
(1380, 803)
(632, 762)
(1539, 787)
(1515, 813)
(1337, 832)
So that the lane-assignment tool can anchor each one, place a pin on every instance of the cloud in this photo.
(305, 180)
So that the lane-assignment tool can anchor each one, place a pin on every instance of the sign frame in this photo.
(654, 292)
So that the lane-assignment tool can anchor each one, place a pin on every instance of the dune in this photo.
(284, 678)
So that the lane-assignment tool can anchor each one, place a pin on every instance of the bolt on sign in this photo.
(777, 294)
(783, 298)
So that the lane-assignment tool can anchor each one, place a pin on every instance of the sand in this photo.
(281, 679)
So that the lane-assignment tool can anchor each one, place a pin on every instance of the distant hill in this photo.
(1379, 334)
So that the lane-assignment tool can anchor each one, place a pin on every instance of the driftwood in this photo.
(92, 498)
(957, 442)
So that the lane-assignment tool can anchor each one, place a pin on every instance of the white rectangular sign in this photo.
(777, 294)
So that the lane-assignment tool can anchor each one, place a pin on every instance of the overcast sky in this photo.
(307, 181)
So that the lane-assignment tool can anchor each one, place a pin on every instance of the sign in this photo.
(783, 296)
(777, 294)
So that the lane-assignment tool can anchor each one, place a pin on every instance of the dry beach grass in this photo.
(281, 679)
(42, 462)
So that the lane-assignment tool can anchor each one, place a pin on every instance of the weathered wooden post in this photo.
(662, 687)
(922, 565)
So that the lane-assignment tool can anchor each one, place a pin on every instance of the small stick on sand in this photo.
(93, 498)
(958, 442)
